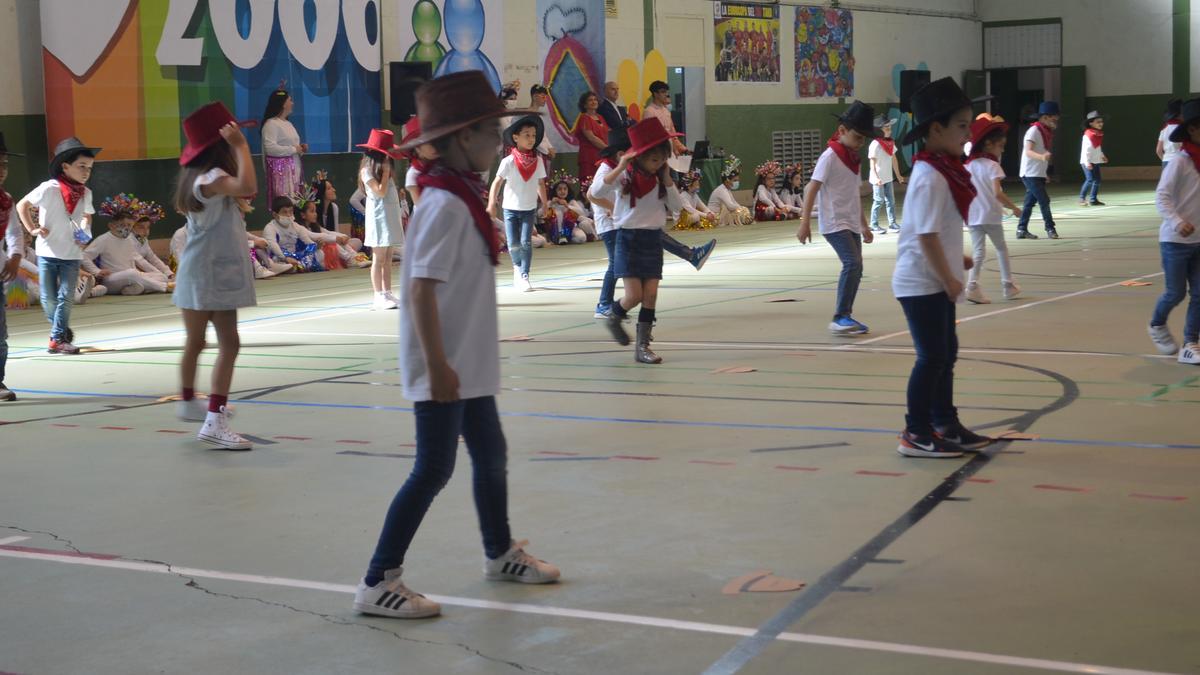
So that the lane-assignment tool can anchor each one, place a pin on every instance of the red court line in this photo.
(636, 457)
(889, 474)
(73, 554)
(354, 442)
(1063, 488)
(711, 461)
(980, 480)
(293, 438)
(1165, 498)
(786, 467)
(171, 431)
(117, 428)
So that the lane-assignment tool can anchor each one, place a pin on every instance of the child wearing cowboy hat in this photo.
(835, 181)
(884, 166)
(10, 262)
(1178, 200)
(928, 278)
(384, 229)
(988, 136)
(1091, 156)
(1035, 163)
(449, 348)
(522, 175)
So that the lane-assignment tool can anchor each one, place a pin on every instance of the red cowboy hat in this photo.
(382, 140)
(453, 102)
(411, 128)
(647, 134)
(203, 129)
(985, 124)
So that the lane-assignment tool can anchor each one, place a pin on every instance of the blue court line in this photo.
(636, 420)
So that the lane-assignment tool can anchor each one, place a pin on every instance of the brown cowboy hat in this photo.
(453, 102)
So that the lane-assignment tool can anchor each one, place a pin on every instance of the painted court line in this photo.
(11, 540)
(588, 615)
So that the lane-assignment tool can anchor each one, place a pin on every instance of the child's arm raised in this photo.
(443, 381)
(379, 187)
(1003, 199)
(245, 182)
(931, 247)
(804, 233)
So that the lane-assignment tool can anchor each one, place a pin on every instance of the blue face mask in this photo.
(737, 184)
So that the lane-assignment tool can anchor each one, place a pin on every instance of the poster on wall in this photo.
(824, 52)
(453, 35)
(571, 50)
(122, 74)
(747, 42)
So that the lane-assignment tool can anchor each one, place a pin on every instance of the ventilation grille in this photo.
(801, 145)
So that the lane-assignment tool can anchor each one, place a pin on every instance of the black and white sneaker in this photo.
(912, 445)
(962, 437)
(6, 394)
(519, 566)
(391, 598)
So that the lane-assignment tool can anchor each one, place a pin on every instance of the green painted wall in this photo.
(25, 134)
(1130, 130)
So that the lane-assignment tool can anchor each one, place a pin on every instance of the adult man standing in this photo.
(615, 116)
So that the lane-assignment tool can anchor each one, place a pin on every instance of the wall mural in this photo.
(121, 74)
(824, 52)
(571, 47)
(747, 42)
(453, 35)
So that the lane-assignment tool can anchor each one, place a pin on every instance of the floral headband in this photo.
(732, 166)
(139, 208)
(563, 176)
(686, 179)
(768, 168)
(307, 195)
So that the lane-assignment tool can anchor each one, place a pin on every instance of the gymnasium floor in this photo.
(128, 547)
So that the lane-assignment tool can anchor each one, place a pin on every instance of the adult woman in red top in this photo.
(592, 133)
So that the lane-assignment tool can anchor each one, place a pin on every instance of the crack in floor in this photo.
(334, 619)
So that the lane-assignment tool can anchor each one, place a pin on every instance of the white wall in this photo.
(21, 58)
(1125, 44)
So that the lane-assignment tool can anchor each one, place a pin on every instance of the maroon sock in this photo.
(188, 394)
(216, 402)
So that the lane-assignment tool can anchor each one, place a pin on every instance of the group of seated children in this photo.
(771, 203)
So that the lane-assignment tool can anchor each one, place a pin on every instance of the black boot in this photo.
(618, 331)
(642, 353)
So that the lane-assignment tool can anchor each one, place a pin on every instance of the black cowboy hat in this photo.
(65, 147)
(522, 121)
(1190, 112)
(4, 148)
(618, 142)
(933, 100)
(859, 117)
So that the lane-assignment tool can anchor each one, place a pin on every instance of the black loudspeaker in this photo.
(910, 82)
(405, 77)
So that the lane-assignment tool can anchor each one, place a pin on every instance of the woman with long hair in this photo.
(281, 147)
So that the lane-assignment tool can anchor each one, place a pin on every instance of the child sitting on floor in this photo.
(792, 192)
(568, 219)
(342, 250)
(695, 213)
(721, 201)
(121, 269)
(297, 247)
(767, 204)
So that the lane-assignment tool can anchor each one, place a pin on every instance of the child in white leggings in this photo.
(988, 135)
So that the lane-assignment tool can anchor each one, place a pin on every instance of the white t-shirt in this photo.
(147, 252)
(14, 237)
(1169, 149)
(1178, 199)
(985, 208)
(444, 244)
(647, 214)
(722, 197)
(883, 163)
(839, 206)
(1033, 168)
(1089, 154)
(520, 194)
(52, 215)
(115, 254)
(289, 237)
(410, 177)
(604, 219)
(280, 138)
(928, 209)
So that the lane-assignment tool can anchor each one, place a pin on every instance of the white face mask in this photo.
(285, 220)
(737, 184)
(122, 232)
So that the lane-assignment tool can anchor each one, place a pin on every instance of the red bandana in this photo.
(72, 192)
(958, 178)
(1192, 151)
(1096, 137)
(848, 157)
(638, 184)
(6, 203)
(1047, 135)
(466, 186)
(419, 164)
(888, 145)
(526, 162)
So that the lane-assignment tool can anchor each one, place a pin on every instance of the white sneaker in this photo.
(519, 566)
(196, 410)
(83, 289)
(217, 432)
(261, 272)
(1163, 342)
(1190, 354)
(391, 297)
(516, 278)
(975, 295)
(382, 301)
(1011, 291)
(526, 285)
(391, 598)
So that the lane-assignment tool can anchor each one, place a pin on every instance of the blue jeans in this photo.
(848, 246)
(675, 247)
(609, 286)
(3, 333)
(518, 227)
(931, 384)
(58, 279)
(1091, 181)
(1035, 191)
(438, 429)
(1181, 274)
(883, 195)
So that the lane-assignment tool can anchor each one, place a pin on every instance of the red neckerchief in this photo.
(638, 184)
(6, 203)
(1047, 134)
(1096, 137)
(72, 192)
(466, 186)
(419, 164)
(958, 178)
(526, 161)
(1174, 120)
(849, 158)
(1193, 151)
(607, 161)
(888, 145)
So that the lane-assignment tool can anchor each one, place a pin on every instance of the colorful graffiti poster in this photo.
(453, 35)
(824, 52)
(747, 42)
(121, 74)
(571, 47)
